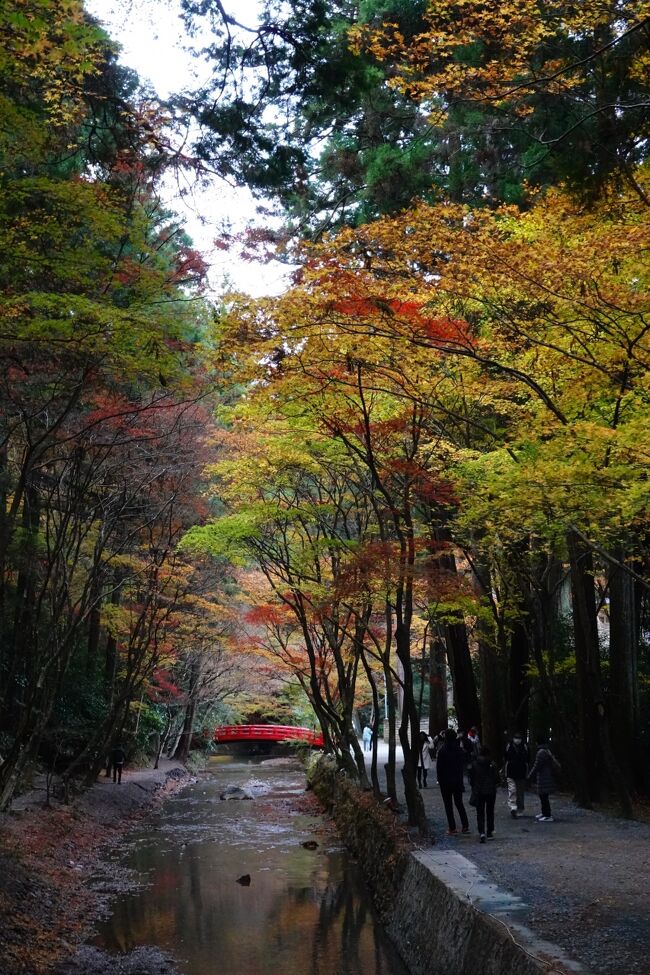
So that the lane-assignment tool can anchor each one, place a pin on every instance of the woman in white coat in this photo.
(424, 760)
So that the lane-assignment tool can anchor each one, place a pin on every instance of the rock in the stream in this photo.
(235, 792)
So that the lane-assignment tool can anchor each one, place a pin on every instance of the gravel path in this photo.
(584, 877)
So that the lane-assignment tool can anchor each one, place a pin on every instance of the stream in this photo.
(304, 911)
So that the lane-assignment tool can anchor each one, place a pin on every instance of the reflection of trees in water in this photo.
(329, 923)
(345, 930)
(319, 922)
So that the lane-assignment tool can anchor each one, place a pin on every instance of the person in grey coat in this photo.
(544, 766)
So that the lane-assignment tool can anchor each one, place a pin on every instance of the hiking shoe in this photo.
(513, 813)
(452, 832)
(482, 838)
(547, 819)
(539, 817)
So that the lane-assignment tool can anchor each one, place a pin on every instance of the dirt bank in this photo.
(46, 856)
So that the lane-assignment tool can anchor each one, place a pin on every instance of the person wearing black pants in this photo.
(545, 765)
(117, 759)
(449, 769)
(484, 779)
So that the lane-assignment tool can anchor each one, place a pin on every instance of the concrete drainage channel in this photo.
(447, 919)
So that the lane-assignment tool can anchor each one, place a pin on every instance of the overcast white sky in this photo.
(153, 43)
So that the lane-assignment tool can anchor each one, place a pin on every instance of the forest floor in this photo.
(47, 852)
(583, 878)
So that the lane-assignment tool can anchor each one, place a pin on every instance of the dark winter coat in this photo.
(545, 764)
(483, 777)
(449, 766)
(516, 761)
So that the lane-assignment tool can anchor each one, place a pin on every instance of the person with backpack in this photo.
(545, 765)
(516, 769)
(484, 780)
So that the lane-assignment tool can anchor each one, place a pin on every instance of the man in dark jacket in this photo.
(484, 779)
(449, 769)
(517, 758)
(117, 759)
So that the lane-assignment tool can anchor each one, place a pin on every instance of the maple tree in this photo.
(329, 489)
(516, 342)
(100, 302)
(479, 370)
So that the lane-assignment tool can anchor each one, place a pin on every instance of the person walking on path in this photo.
(484, 780)
(449, 768)
(516, 768)
(117, 759)
(424, 759)
(367, 738)
(474, 742)
(545, 764)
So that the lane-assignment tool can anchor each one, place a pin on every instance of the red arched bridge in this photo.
(266, 732)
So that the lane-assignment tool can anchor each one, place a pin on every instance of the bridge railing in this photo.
(267, 732)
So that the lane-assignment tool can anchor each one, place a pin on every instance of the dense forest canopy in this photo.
(342, 111)
(422, 468)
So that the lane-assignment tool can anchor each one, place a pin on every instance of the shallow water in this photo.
(306, 912)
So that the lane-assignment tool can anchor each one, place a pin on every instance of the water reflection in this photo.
(304, 913)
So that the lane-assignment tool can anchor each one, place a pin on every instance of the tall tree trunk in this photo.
(623, 698)
(490, 665)
(24, 659)
(182, 752)
(492, 725)
(518, 680)
(94, 630)
(587, 654)
(594, 739)
(110, 657)
(463, 682)
(438, 716)
(391, 732)
(374, 778)
(541, 626)
(4, 540)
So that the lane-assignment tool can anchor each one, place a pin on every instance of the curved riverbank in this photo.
(47, 854)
